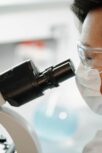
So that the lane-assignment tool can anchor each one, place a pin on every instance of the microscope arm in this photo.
(21, 132)
(23, 135)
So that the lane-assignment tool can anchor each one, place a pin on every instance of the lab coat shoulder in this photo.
(95, 145)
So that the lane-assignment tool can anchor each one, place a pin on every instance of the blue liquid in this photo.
(53, 127)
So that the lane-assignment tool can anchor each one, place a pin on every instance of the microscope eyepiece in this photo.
(24, 82)
(52, 76)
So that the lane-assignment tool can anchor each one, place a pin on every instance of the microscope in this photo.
(20, 85)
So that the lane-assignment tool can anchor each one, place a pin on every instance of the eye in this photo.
(88, 58)
(88, 55)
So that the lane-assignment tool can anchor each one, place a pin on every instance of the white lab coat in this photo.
(95, 103)
(94, 146)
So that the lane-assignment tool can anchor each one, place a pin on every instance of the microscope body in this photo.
(20, 85)
(24, 137)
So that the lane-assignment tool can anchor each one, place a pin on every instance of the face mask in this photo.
(89, 83)
(90, 80)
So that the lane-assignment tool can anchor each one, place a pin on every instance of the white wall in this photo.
(32, 23)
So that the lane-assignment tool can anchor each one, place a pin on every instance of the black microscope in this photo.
(24, 82)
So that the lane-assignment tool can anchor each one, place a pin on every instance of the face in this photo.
(91, 37)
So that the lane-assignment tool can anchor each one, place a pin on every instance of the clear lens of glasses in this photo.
(91, 57)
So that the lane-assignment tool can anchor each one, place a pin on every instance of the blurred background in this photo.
(46, 32)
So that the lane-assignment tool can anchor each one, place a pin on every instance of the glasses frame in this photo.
(81, 45)
(87, 48)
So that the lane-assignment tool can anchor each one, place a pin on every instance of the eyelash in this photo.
(88, 58)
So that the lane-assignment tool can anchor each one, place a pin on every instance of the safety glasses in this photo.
(91, 57)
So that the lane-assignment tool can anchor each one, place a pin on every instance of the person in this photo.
(89, 72)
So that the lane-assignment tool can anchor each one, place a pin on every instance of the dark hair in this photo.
(82, 7)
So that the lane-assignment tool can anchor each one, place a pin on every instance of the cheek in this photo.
(97, 61)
